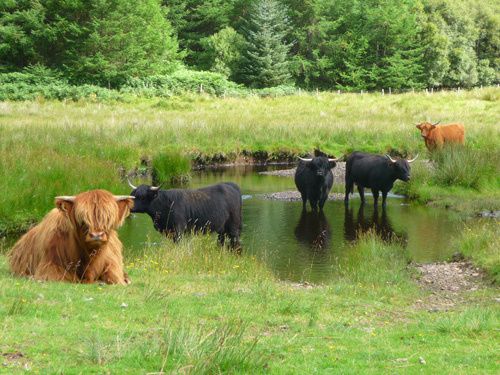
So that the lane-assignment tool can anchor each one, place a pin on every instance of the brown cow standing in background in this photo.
(76, 242)
(436, 136)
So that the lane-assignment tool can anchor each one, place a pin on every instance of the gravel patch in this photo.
(448, 283)
(338, 173)
(294, 196)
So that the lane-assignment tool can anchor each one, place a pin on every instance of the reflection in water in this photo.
(313, 229)
(378, 222)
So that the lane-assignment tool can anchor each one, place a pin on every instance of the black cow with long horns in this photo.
(215, 208)
(314, 179)
(375, 172)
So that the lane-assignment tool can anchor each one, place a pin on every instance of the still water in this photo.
(301, 246)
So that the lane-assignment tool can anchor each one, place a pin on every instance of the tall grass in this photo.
(372, 262)
(170, 168)
(466, 167)
(49, 148)
(196, 350)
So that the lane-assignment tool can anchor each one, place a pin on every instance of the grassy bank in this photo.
(193, 308)
(54, 148)
(480, 243)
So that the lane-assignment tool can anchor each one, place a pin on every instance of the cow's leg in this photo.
(222, 238)
(384, 198)
(361, 191)
(375, 194)
(348, 188)
(304, 201)
(314, 204)
(322, 199)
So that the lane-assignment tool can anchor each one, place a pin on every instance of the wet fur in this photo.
(56, 250)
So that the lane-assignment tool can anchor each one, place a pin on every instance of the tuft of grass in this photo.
(372, 261)
(481, 243)
(198, 350)
(466, 167)
(171, 167)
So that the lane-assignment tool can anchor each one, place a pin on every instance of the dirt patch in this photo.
(294, 196)
(449, 284)
(15, 360)
(338, 173)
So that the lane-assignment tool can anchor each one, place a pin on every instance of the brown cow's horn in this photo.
(123, 197)
(436, 123)
(304, 159)
(66, 198)
(154, 188)
(130, 184)
(412, 160)
(389, 157)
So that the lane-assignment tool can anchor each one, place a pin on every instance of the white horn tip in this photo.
(123, 197)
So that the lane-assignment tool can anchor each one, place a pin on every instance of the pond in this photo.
(301, 246)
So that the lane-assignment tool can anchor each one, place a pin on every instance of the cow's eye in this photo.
(85, 228)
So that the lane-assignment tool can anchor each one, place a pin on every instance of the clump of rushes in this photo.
(466, 167)
(171, 168)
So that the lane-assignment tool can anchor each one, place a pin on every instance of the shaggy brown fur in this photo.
(76, 242)
(436, 136)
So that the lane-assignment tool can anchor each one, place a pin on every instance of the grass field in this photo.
(193, 308)
(61, 148)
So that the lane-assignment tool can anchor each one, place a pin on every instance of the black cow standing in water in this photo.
(314, 179)
(375, 172)
(216, 208)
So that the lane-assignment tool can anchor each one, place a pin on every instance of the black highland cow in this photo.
(375, 172)
(216, 208)
(314, 179)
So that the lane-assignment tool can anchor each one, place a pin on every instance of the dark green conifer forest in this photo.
(324, 44)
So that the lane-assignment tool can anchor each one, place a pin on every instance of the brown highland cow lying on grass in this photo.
(76, 242)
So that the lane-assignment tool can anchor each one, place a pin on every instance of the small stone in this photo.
(124, 305)
(88, 299)
(421, 360)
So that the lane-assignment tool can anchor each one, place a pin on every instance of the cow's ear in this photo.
(433, 126)
(419, 126)
(65, 203)
(332, 164)
(125, 203)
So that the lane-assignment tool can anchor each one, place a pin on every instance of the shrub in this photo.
(180, 82)
(41, 82)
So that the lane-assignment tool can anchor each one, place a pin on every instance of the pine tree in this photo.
(265, 61)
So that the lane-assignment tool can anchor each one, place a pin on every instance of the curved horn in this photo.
(123, 197)
(305, 159)
(66, 198)
(412, 160)
(130, 184)
(337, 159)
(389, 157)
(437, 123)
(154, 188)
